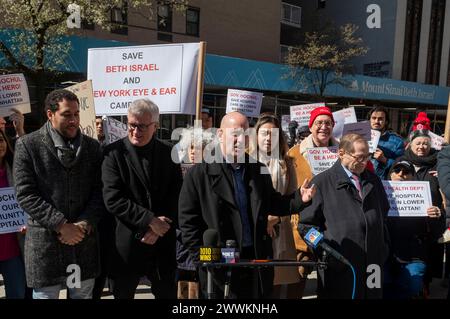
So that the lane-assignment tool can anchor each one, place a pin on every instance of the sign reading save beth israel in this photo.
(165, 74)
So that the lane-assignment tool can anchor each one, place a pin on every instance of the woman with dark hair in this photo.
(11, 262)
(409, 261)
(424, 158)
(272, 151)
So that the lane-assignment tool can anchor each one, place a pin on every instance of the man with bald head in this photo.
(231, 198)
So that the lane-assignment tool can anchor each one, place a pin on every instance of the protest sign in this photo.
(361, 128)
(85, 95)
(375, 138)
(246, 102)
(165, 74)
(301, 113)
(12, 217)
(408, 199)
(342, 117)
(322, 158)
(114, 130)
(14, 94)
(436, 141)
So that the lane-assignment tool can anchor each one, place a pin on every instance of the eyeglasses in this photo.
(399, 169)
(140, 127)
(360, 159)
(326, 123)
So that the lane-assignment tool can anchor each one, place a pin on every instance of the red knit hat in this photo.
(422, 122)
(323, 110)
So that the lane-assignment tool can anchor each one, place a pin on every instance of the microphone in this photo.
(314, 238)
(210, 252)
(230, 255)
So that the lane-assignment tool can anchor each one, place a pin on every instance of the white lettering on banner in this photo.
(301, 113)
(14, 94)
(322, 158)
(161, 73)
(408, 199)
(392, 90)
(74, 19)
(12, 217)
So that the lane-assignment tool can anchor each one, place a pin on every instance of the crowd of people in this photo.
(123, 211)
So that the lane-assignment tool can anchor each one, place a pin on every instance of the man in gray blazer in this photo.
(58, 183)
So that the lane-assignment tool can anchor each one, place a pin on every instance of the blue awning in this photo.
(228, 72)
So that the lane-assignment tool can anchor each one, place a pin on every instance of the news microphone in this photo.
(314, 238)
(210, 251)
(230, 255)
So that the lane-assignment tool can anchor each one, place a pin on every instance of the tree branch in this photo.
(13, 61)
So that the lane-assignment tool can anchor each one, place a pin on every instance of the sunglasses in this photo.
(405, 170)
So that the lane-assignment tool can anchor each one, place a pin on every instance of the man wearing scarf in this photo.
(58, 184)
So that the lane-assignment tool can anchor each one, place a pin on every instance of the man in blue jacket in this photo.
(390, 145)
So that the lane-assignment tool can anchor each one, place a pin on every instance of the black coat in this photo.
(207, 201)
(134, 203)
(51, 191)
(414, 238)
(352, 226)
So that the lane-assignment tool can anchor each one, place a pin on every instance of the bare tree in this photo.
(325, 57)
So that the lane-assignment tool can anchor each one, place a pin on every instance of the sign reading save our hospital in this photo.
(408, 199)
(12, 217)
(14, 94)
(322, 158)
(165, 74)
(246, 102)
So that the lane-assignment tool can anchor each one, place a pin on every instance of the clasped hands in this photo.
(158, 227)
(73, 233)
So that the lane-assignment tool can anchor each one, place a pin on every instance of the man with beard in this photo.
(57, 171)
(390, 146)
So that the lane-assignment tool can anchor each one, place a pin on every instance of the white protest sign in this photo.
(85, 95)
(408, 199)
(322, 158)
(114, 130)
(341, 118)
(12, 217)
(301, 113)
(375, 138)
(436, 141)
(361, 128)
(14, 94)
(246, 102)
(165, 74)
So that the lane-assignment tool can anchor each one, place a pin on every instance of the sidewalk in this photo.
(144, 290)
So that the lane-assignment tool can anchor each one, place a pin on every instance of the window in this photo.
(193, 22)
(291, 15)
(119, 19)
(164, 18)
